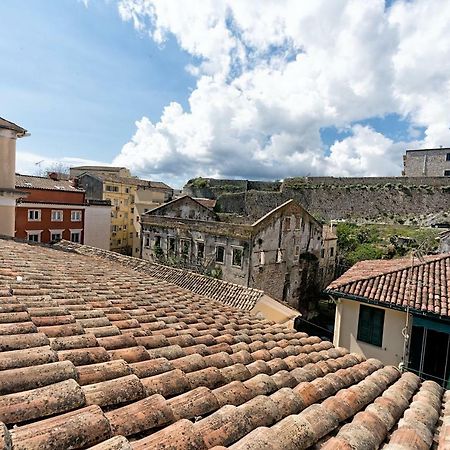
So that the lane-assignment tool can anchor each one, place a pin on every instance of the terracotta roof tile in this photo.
(190, 373)
(425, 286)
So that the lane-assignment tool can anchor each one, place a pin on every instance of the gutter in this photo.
(413, 311)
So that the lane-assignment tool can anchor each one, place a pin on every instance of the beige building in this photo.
(397, 311)
(9, 132)
(129, 197)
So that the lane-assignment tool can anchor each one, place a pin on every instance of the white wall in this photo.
(346, 332)
(97, 226)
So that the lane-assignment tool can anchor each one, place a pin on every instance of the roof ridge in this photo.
(238, 290)
(438, 257)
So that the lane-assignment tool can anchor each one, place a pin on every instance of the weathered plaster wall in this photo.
(346, 332)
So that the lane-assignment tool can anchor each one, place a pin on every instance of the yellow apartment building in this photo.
(130, 197)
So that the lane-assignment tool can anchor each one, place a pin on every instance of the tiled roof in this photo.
(207, 202)
(387, 281)
(223, 291)
(32, 182)
(97, 355)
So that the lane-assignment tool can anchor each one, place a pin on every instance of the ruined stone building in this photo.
(278, 253)
(430, 162)
(328, 256)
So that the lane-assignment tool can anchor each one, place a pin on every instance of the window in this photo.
(57, 215)
(185, 246)
(200, 250)
(113, 228)
(131, 235)
(110, 188)
(147, 241)
(55, 236)
(220, 254)
(370, 325)
(287, 224)
(262, 258)
(34, 236)
(34, 215)
(331, 251)
(171, 246)
(297, 250)
(279, 255)
(131, 199)
(447, 157)
(124, 227)
(446, 173)
(75, 236)
(237, 257)
(322, 253)
(75, 216)
(132, 210)
(158, 241)
(127, 191)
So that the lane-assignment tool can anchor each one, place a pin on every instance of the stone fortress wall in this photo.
(418, 200)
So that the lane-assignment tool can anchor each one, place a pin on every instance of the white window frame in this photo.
(74, 214)
(53, 214)
(38, 211)
(37, 233)
(73, 231)
(55, 232)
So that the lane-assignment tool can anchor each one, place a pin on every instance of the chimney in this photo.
(9, 132)
(53, 175)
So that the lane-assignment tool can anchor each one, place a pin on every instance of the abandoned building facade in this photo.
(279, 253)
(433, 162)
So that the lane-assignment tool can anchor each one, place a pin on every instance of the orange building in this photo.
(53, 209)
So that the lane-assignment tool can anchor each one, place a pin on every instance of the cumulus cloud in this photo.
(272, 74)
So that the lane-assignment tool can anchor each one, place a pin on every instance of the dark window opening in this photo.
(220, 254)
(446, 173)
(237, 257)
(200, 250)
(447, 158)
(370, 325)
(171, 246)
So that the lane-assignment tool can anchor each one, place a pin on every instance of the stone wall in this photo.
(383, 199)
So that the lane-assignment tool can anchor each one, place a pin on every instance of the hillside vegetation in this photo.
(376, 241)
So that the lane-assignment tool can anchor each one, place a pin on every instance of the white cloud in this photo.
(33, 163)
(273, 73)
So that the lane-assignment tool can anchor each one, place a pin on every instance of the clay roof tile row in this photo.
(424, 286)
(94, 354)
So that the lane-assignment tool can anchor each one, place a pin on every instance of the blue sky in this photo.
(175, 89)
(78, 78)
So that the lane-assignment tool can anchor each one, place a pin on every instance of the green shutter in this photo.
(370, 325)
